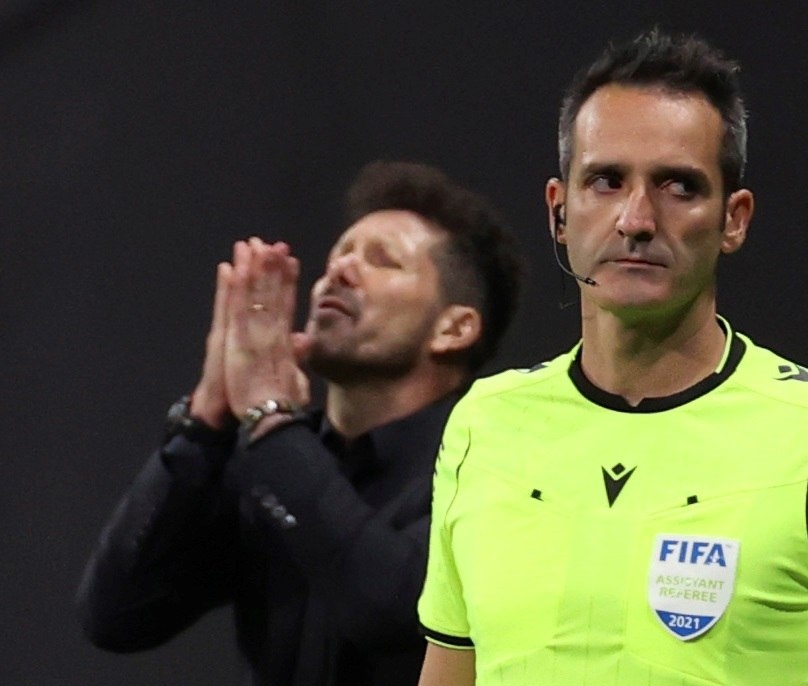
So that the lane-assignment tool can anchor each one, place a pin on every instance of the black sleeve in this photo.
(367, 564)
(165, 557)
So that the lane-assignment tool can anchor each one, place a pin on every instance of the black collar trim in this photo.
(611, 401)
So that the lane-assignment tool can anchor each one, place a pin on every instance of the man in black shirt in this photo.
(314, 524)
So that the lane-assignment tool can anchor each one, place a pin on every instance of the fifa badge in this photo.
(691, 582)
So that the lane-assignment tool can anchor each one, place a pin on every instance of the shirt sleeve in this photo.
(165, 556)
(441, 608)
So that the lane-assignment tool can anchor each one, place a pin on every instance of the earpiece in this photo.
(558, 220)
(558, 217)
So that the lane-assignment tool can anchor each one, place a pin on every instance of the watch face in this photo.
(178, 417)
(180, 421)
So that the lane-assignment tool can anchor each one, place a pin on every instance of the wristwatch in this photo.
(255, 414)
(180, 421)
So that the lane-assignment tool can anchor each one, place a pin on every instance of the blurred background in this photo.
(140, 138)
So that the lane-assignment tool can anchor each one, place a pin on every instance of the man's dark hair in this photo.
(478, 264)
(677, 64)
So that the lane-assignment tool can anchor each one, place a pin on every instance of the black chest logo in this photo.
(615, 479)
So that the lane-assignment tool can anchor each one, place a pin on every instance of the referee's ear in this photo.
(740, 208)
(555, 195)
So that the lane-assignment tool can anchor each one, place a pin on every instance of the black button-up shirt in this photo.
(320, 545)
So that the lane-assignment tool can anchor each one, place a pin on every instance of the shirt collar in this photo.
(734, 349)
(391, 446)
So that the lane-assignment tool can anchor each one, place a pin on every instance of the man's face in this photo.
(374, 310)
(645, 213)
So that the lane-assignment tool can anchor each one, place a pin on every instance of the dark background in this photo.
(140, 138)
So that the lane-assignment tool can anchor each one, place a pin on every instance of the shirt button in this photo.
(269, 501)
(277, 511)
(288, 521)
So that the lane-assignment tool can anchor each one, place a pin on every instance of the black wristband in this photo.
(180, 422)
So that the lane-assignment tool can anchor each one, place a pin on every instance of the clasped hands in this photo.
(251, 353)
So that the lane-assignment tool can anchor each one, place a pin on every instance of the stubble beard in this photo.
(346, 360)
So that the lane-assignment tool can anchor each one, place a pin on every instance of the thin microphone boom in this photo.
(559, 221)
(589, 281)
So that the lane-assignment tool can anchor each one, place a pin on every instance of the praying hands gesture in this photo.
(252, 355)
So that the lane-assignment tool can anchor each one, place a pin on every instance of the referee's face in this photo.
(646, 216)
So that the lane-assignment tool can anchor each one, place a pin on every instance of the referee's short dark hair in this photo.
(678, 64)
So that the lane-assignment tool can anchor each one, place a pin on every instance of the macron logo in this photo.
(693, 552)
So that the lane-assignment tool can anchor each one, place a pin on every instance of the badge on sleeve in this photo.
(691, 582)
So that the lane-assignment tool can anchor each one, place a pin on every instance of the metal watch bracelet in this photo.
(255, 414)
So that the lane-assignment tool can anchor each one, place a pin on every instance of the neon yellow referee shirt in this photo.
(577, 541)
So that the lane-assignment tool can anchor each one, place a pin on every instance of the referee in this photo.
(632, 512)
